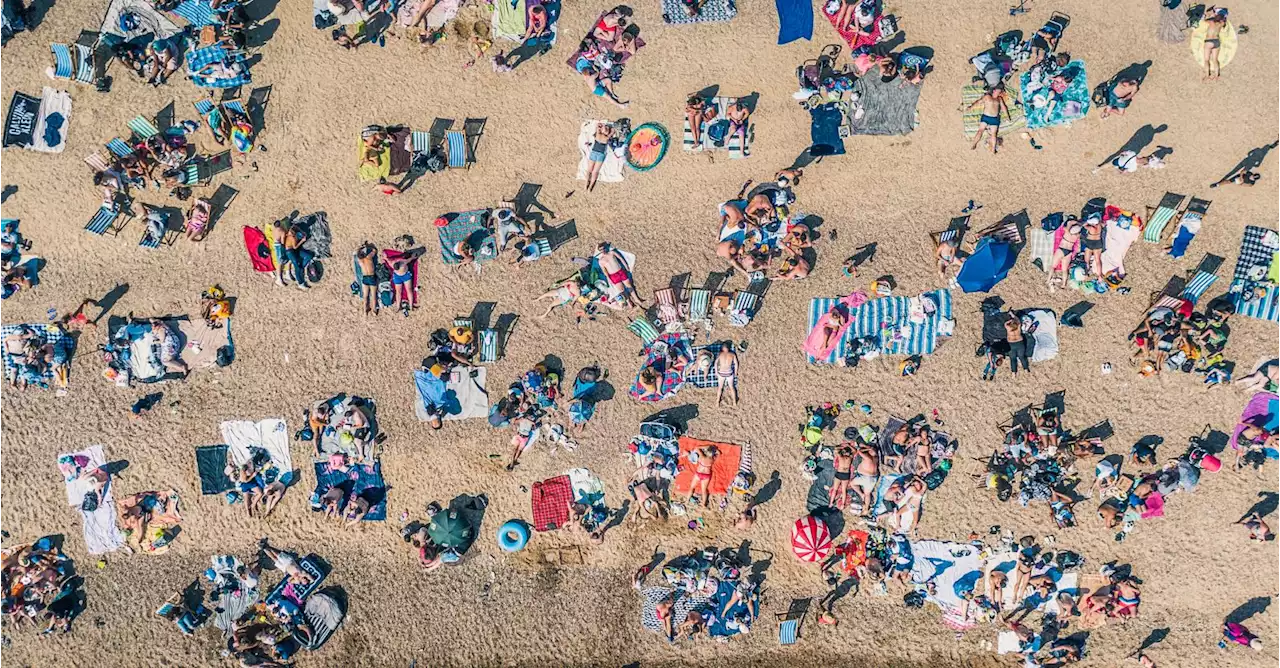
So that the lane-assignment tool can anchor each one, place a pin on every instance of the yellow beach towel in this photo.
(1226, 51)
(373, 172)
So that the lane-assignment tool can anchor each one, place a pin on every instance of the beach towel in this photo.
(1072, 107)
(888, 321)
(713, 11)
(288, 590)
(953, 568)
(64, 345)
(550, 502)
(1040, 245)
(197, 13)
(101, 534)
(587, 487)
(824, 129)
(1188, 228)
(468, 226)
(373, 172)
(813, 344)
(259, 249)
(1118, 240)
(1229, 43)
(145, 22)
(851, 37)
(271, 436)
(238, 596)
(38, 124)
(972, 118)
(1254, 281)
(464, 396)
(733, 143)
(509, 20)
(360, 479)
(795, 20)
(211, 467)
(229, 71)
(1045, 336)
(723, 468)
(441, 13)
(705, 379)
(684, 604)
(1007, 563)
(671, 375)
(883, 108)
(345, 19)
(1263, 410)
(747, 608)
(611, 171)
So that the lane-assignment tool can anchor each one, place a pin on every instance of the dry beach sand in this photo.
(495, 609)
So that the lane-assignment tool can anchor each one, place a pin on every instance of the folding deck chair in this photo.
(107, 220)
(694, 309)
(644, 329)
(142, 128)
(1169, 297)
(168, 236)
(954, 232)
(119, 148)
(97, 162)
(746, 302)
(789, 622)
(665, 302)
(1007, 229)
(68, 67)
(1159, 216)
(1189, 225)
(1202, 278)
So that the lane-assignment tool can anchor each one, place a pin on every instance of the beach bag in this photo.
(315, 272)
(1052, 222)
(1099, 95)
(325, 19)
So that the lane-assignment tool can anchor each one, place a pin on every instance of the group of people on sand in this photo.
(530, 404)
(149, 520)
(702, 574)
(258, 483)
(606, 49)
(388, 281)
(272, 632)
(33, 357)
(40, 586)
(757, 228)
(699, 112)
(1181, 339)
(602, 280)
(1039, 454)
(431, 555)
(292, 257)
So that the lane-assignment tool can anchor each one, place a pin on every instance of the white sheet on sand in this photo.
(1008, 562)
(1046, 335)
(149, 20)
(611, 172)
(271, 434)
(200, 344)
(101, 535)
(959, 567)
(52, 101)
(465, 397)
(1006, 642)
(1118, 242)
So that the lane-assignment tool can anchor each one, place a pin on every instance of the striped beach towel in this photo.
(971, 93)
(888, 320)
(733, 143)
(197, 13)
(1254, 298)
(712, 11)
(1041, 246)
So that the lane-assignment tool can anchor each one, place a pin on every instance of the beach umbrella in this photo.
(988, 265)
(448, 530)
(646, 146)
(810, 539)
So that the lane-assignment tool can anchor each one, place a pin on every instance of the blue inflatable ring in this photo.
(513, 536)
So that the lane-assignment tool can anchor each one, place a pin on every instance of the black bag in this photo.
(226, 354)
(325, 19)
(1052, 222)
(1099, 96)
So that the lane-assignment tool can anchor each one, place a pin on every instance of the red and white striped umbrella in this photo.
(810, 539)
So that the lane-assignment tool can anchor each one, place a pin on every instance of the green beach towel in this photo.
(509, 19)
(971, 93)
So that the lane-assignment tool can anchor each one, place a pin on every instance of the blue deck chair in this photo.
(84, 69)
(198, 13)
(1203, 277)
(104, 221)
(643, 329)
(236, 106)
(63, 66)
(458, 154)
(119, 148)
(789, 626)
(420, 142)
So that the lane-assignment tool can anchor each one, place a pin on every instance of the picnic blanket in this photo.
(851, 37)
(972, 117)
(1255, 278)
(471, 227)
(889, 319)
(1263, 410)
(51, 335)
(748, 608)
(824, 129)
(732, 142)
(1073, 105)
(330, 438)
(671, 375)
(289, 590)
(1046, 335)
(795, 20)
(464, 396)
(199, 348)
(145, 21)
(712, 11)
(883, 108)
(239, 594)
(723, 468)
(510, 20)
(211, 467)
(362, 479)
(271, 436)
(550, 501)
(684, 604)
(39, 124)
(101, 535)
(1007, 563)
(1229, 43)
(612, 171)
(708, 379)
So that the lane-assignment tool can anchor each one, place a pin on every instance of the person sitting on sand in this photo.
(599, 150)
(250, 486)
(946, 257)
(507, 225)
(697, 112)
(992, 101)
(739, 116)
(727, 374)
(793, 267)
(703, 460)
(1259, 530)
(162, 61)
(1215, 19)
(357, 507)
(1120, 92)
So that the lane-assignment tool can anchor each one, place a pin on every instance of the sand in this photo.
(494, 609)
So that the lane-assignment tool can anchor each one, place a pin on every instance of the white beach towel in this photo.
(611, 172)
(472, 400)
(52, 102)
(271, 434)
(101, 535)
(1046, 335)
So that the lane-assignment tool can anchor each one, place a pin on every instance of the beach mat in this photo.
(713, 11)
(51, 335)
(733, 143)
(972, 118)
(1263, 410)
(887, 108)
(466, 396)
(684, 604)
(612, 171)
(271, 436)
(1255, 253)
(795, 20)
(723, 468)
(211, 466)
(1230, 42)
(550, 501)
(364, 480)
(1073, 107)
(101, 534)
(872, 318)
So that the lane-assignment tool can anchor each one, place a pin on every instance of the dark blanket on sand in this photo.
(211, 462)
(888, 108)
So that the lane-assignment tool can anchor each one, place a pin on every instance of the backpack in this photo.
(1099, 96)
(1052, 222)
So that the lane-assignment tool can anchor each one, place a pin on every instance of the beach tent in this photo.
(987, 266)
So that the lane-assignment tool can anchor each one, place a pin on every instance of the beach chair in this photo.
(665, 301)
(119, 148)
(97, 162)
(743, 308)
(1202, 278)
(465, 322)
(1057, 24)
(1007, 229)
(107, 220)
(1168, 297)
(457, 145)
(197, 13)
(420, 142)
(1159, 216)
(168, 236)
(142, 128)
(789, 622)
(644, 329)
(695, 308)
(489, 345)
(1189, 222)
(64, 64)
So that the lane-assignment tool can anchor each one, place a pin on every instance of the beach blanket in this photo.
(671, 374)
(954, 569)
(101, 534)
(330, 439)
(259, 249)
(211, 467)
(1045, 336)
(1263, 410)
(288, 590)
(795, 20)
(883, 108)
(440, 14)
(587, 487)
(509, 20)
(468, 226)
(1072, 107)
(748, 608)
(1040, 246)
(684, 604)
(712, 11)
(1007, 563)
(733, 142)
(1256, 275)
(972, 117)
(612, 171)
(1229, 43)
(708, 379)
(270, 436)
(464, 396)
(1118, 240)
(196, 13)
(550, 501)
(362, 479)
(230, 67)
(816, 345)
(199, 348)
(391, 255)
(39, 124)
(376, 171)
(723, 468)
(63, 344)
(238, 595)
(889, 320)
(851, 37)
(824, 129)
(145, 21)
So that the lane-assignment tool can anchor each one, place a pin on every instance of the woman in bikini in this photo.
(701, 487)
(599, 150)
(1093, 245)
(946, 257)
(838, 497)
(697, 112)
(1066, 251)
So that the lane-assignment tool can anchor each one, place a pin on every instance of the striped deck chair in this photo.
(236, 106)
(166, 238)
(119, 148)
(695, 309)
(420, 142)
(644, 329)
(1169, 297)
(97, 162)
(212, 115)
(84, 64)
(743, 308)
(789, 622)
(143, 128)
(464, 322)
(63, 65)
(104, 221)
(1189, 225)
(665, 300)
(1202, 277)
(197, 13)
(459, 153)
(489, 345)
(1159, 216)
(1006, 230)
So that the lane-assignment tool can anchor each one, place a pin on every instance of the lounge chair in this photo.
(1189, 225)
(457, 143)
(1007, 229)
(77, 67)
(119, 148)
(1202, 278)
(168, 236)
(789, 622)
(197, 13)
(489, 345)
(695, 308)
(1159, 216)
(743, 308)
(954, 232)
(644, 329)
(107, 220)
(1169, 297)
(665, 301)
(97, 162)
(142, 128)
